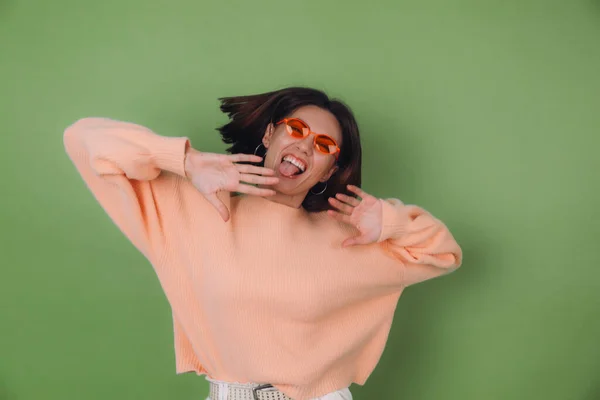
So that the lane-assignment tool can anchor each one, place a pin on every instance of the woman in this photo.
(281, 285)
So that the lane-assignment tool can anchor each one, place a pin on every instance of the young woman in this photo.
(283, 277)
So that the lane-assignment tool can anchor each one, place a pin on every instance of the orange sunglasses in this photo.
(299, 129)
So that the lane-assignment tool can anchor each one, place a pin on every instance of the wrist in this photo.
(395, 218)
(188, 161)
(167, 153)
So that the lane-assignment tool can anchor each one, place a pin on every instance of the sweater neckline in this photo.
(274, 207)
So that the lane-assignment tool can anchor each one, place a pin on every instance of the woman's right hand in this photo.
(211, 173)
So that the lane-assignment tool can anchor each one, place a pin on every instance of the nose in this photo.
(306, 145)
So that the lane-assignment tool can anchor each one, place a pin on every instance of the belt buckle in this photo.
(259, 387)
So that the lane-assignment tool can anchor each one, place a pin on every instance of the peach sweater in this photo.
(269, 296)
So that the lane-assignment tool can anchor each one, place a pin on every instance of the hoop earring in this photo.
(321, 192)
(258, 147)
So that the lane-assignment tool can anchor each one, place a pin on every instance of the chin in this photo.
(291, 187)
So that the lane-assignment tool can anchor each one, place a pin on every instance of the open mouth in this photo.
(291, 166)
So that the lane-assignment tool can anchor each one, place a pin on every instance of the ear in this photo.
(331, 171)
(266, 140)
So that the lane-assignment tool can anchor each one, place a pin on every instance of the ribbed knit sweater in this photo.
(269, 296)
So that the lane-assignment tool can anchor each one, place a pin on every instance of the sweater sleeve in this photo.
(421, 242)
(119, 162)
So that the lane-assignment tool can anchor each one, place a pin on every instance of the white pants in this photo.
(342, 394)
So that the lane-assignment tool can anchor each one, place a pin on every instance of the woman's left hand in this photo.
(365, 214)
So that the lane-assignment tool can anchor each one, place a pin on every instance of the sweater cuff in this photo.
(168, 153)
(395, 219)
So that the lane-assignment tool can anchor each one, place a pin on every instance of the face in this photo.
(318, 167)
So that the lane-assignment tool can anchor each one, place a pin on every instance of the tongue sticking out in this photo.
(288, 169)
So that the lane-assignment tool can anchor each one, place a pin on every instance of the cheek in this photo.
(322, 165)
(270, 160)
(275, 147)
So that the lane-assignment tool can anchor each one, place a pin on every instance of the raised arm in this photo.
(122, 164)
(118, 162)
(420, 241)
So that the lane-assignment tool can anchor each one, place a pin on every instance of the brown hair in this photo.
(250, 115)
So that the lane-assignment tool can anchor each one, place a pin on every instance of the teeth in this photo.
(295, 161)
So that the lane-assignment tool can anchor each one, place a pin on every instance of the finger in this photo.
(341, 206)
(353, 241)
(253, 190)
(259, 180)
(353, 201)
(356, 190)
(339, 216)
(219, 205)
(244, 158)
(348, 242)
(253, 169)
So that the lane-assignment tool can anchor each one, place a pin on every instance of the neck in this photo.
(294, 201)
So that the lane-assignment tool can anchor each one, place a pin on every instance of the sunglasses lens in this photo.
(325, 144)
(296, 128)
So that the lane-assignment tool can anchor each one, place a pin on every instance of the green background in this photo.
(484, 113)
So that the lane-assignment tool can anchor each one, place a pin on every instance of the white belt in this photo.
(237, 391)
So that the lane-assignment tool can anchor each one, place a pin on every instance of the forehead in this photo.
(320, 121)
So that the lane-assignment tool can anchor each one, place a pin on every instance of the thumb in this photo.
(356, 240)
(219, 205)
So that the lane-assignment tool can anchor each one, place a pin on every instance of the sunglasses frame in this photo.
(337, 151)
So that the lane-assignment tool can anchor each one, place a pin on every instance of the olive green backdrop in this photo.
(484, 113)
